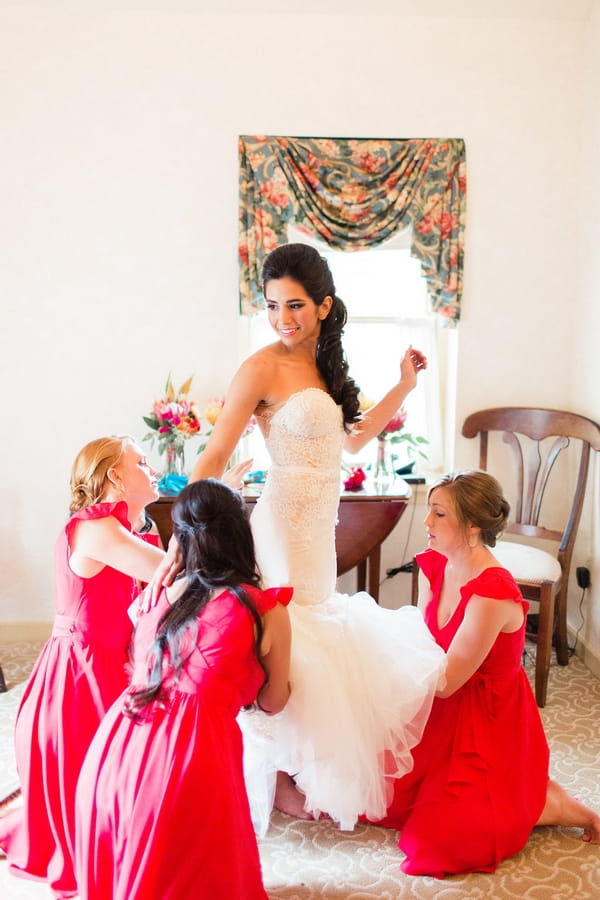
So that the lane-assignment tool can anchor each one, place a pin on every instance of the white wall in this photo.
(118, 221)
(583, 351)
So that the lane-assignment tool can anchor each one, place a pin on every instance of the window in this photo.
(388, 309)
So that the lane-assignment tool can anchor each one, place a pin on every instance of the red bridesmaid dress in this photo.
(481, 769)
(162, 810)
(81, 669)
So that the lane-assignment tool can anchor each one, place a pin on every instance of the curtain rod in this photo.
(329, 137)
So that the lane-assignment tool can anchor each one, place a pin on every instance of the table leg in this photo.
(374, 564)
(361, 575)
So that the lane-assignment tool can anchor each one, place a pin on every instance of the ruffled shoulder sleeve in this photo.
(497, 583)
(267, 599)
(148, 538)
(101, 511)
(431, 563)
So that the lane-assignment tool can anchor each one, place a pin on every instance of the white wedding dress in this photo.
(362, 677)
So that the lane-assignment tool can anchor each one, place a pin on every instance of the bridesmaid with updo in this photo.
(101, 554)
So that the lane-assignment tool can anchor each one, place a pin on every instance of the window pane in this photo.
(379, 283)
(388, 309)
(374, 351)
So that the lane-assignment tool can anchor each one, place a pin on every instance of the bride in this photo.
(362, 677)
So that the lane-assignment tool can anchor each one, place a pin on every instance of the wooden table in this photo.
(365, 519)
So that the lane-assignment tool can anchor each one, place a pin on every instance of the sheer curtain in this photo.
(387, 307)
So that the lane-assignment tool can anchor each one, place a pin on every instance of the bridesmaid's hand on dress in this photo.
(165, 574)
(234, 477)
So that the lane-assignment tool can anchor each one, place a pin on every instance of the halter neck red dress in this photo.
(162, 810)
(481, 769)
(81, 669)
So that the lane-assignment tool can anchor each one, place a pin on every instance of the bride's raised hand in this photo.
(413, 362)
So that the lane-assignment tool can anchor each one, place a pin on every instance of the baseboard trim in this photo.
(14, 632)
(584, 652)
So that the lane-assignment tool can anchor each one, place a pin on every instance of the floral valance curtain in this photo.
(353, 194)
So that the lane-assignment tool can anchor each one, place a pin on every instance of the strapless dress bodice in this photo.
(305, 431)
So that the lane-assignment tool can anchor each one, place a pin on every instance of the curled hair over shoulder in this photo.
(211, 526)
(89, 473)
(478, 500)
(304, 264)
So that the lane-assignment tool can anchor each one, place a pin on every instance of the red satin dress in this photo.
(162, 810)
(81, 669)
(481, 769)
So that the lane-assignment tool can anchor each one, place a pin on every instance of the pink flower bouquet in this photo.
(174, 418)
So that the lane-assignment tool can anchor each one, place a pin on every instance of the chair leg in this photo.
(414, 596)
(544, 643)
(560, 626)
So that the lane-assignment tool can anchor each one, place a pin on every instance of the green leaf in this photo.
(151, 421)
(169, 390)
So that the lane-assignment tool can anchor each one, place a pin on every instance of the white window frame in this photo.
(433, 401)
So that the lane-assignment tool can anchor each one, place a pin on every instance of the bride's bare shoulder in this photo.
(269, 351)
(265, 362)
(259, 375)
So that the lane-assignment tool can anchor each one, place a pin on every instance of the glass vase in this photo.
(234, 459)
(383, 475)
(174, 459)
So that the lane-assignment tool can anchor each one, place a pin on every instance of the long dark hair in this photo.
(304, 264)
(213, 532)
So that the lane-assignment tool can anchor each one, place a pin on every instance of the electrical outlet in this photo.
(407, 567)
(582, 573)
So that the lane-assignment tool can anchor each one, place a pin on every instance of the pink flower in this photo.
(396, 423)
(354, 482)
(249, 427)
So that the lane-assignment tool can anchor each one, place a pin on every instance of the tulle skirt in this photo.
(363, 680)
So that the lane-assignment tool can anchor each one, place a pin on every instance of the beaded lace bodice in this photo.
(305, 431)
(296, 514)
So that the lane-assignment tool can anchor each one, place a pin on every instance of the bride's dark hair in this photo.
(304, 264)
(213, 532)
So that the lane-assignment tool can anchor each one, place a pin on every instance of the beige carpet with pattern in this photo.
(315, 861)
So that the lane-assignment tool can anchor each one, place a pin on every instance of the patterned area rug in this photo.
(16, 661)
(9, 781)
(316, 861)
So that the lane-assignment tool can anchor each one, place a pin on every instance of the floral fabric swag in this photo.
(354, 194)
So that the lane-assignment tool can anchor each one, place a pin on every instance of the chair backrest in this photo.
(533, 461)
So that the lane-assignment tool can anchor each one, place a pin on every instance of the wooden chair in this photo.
(535, 439)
